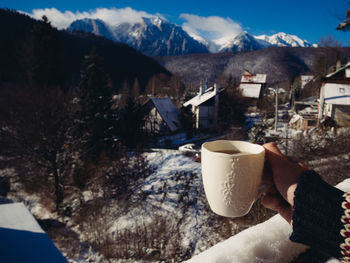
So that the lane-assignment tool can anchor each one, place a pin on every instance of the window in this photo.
(341, 90)
(347, 73)
(311, 122)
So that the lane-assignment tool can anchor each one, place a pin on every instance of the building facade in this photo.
(161, 117)
(205, 107)
(335, 96)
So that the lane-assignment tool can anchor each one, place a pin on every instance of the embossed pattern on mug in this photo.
(228, 184)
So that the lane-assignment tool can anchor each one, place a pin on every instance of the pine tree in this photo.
(47, 69)
(130, 117)
(97, 117)
(135, 92)
(345, 25)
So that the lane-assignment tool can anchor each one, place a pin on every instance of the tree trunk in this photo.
(58, 188)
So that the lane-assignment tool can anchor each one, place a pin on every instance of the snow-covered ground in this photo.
(174, 190)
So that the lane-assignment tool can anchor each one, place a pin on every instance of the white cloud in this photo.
(213, 27)
(113, 16)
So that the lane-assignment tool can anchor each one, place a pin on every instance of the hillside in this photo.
(279, 63)
(121, 62)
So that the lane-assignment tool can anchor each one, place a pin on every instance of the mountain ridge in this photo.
(151, 36)
(155, 36)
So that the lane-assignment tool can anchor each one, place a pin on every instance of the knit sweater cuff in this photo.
(317, 214)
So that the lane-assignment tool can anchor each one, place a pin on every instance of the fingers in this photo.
(303, 165)
(276, 202)
(285, 172)
(277, 159)
(267, 178)
(271, 148)
(274, 156)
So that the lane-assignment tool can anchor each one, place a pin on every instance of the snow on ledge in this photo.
(22, 239)
(264, 243)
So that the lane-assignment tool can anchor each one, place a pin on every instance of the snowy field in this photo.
(175, 189)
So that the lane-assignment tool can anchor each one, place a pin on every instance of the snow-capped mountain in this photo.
(95, 26)
(247, 42)
(284, 40)
(152, 36)
(242, 42)
(156, 36)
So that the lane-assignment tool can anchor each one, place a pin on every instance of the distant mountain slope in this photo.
(279, 63)
(121, 62)
(152, 36)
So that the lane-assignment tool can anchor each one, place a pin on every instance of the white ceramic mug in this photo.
(231, 180)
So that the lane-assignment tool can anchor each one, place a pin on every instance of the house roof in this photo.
(307, 77)
(168, 111)
(258, 78)
(201, 98)
(337, 71)
(295, 118)
(250, 90)
(22, 239)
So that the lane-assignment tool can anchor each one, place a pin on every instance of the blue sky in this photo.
(308, 19)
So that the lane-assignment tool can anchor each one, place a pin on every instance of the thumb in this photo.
(273, 154)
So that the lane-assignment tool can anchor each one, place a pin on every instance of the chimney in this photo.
(216, 88)
(200, 89)
(338, 65)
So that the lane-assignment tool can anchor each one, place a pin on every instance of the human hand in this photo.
(284, 173)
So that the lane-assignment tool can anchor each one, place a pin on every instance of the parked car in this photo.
(190, 149)
(197, 157)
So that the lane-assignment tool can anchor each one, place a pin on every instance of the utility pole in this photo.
(276, 107)
(321, 105)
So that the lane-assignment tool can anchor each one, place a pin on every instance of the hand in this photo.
(284, 174)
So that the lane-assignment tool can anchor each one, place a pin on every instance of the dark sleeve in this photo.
(321, 216)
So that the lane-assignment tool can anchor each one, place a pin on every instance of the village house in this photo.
(305, 79)
(305, 119)
(161, 117)
(205, 107)
(252, 86)
(335, 96)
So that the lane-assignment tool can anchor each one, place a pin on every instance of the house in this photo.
(205, 107)
(252, 85)
(22, 238)
(304, 120)
(305, 79)
(335, 96)
(160, 116)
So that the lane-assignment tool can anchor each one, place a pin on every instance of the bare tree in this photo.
(35, 132)
(345, 25)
